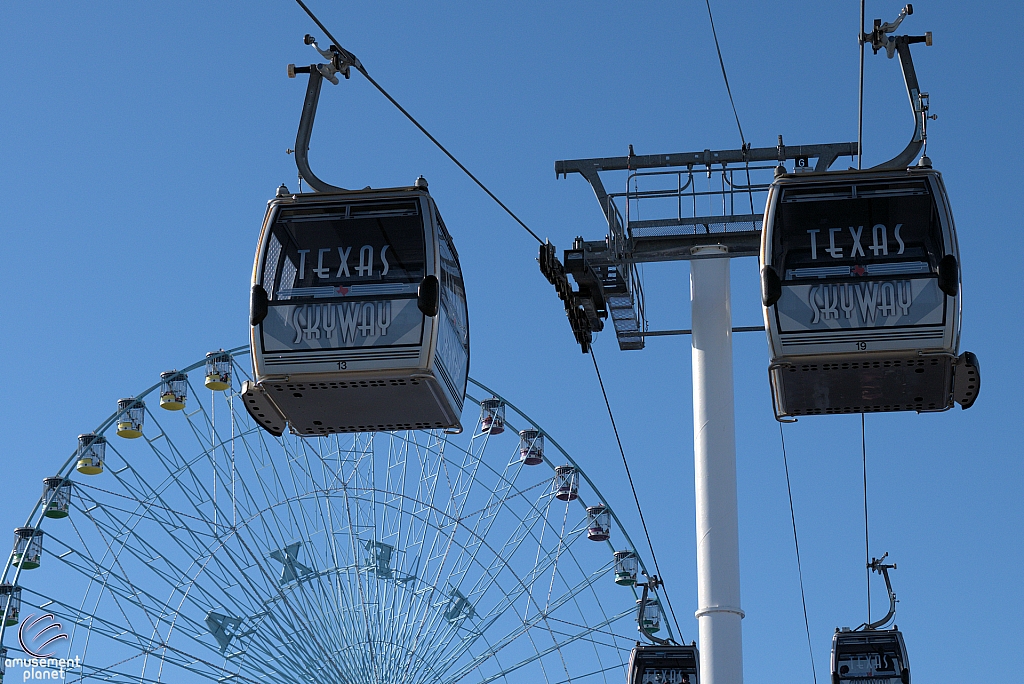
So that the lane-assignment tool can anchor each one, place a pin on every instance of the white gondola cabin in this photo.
(91, 452)
(860, 283)
(876, 656)
(566, 483)
(10, 603)
(132, 414)
(649, 615)
(218, 371)
(626, 566)
(492, 416)
(28, 548)
(56, 497)
(664, 664)
(531, 447)
(173, 390)
(358, 313)
(599, 523)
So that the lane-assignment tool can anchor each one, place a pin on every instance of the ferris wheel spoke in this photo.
(525, 625)
(215, 551)
(153, 558)
(122, 590)
(292, 618)
(539, 654)
(295, 598)
(445, 638)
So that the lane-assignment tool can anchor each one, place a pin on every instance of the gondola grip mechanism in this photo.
(341, 61)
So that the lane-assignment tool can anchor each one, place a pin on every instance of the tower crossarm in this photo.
(681, 215)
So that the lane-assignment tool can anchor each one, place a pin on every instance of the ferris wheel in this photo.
(190, 545)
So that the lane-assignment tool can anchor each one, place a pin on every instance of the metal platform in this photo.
(663, 216)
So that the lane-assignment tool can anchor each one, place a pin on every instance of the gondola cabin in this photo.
(218, 371)
(358, 313)
(566, 483)
(56, 498)
(531, 447)
(599, 523)
(492, 416)
(875, 656)
(668, 664)
(10, 603)
(626, 565)
(860, 283)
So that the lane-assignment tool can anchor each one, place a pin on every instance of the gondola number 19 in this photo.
(862, 346)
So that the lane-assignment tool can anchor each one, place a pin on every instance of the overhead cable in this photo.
(867, 547)
(725, 77)
(796, 545)
(643, 522)
(359, 67)
(860, 92)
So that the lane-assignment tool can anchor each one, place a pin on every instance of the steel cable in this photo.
(796, 545)
(725, 77)
(643, 522)
(867, 548)
(359, 67)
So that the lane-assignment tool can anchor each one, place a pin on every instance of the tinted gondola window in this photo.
(844, 231)
(867, 657)
(857, 256)
(453, 335)
(344, 275)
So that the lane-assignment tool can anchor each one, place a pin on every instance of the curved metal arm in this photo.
(918, 102)
(651, 581)
(340, 62)
(878, 566)
(316, 80)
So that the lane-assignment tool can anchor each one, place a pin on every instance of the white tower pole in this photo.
(714, 456)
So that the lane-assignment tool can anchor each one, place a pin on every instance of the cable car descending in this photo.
(860, 280)
(358, 309)
(867, 654)
(661, 662)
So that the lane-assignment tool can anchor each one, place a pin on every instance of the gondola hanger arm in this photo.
(653, 582)
(878, 39)
(340, 62)
(878, 565)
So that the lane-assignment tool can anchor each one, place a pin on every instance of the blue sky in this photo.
(139, 143)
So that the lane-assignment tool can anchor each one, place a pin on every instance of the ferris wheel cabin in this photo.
(358, 313)
(860, 283)
(876, 656)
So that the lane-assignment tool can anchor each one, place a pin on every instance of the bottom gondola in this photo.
(664, 664)
(869, 657)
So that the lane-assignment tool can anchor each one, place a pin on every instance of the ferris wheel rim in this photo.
(235, 353)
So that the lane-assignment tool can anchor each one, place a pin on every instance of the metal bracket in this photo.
(607, 277)
(340, 62)
(877, 565)
(653, 582)
(900, 45)
(585, 307)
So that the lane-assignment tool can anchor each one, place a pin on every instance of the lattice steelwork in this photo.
(210, 550)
